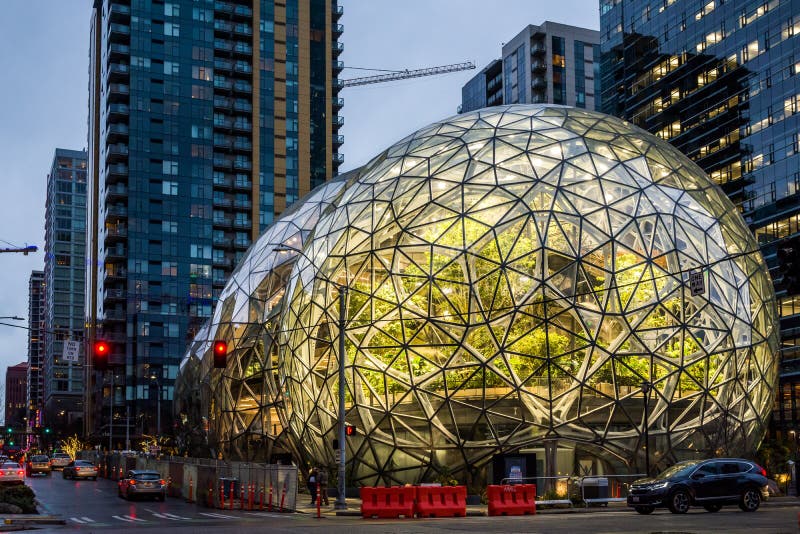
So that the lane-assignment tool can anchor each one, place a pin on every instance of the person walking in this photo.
(323, 485)
(313, 475)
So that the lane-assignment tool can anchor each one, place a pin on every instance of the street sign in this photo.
(72, 351)
(697, 282)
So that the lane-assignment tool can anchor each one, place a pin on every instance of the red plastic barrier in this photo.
(388, 503)
(519, 499)
(441, 501)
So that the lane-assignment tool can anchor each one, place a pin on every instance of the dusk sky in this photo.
(44, 95)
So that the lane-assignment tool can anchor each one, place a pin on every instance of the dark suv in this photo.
(707, 483)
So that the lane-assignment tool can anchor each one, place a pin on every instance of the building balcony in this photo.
(338, 104)
(242, 11)
(116, 153)
(117, 169)
(243, 49)
(338, 120)
(223, 65)
(337, 30)
(219, 281)
(223, 182)
(118, 111)
(539, 82)
(241, 86)
(338, 66)
(223, 142)
(538, 48)
(117, 252)
(242, 165)
(223, 25)
(242, 204)
(243, 146)
(243, 68)
(116, 273)
(223, 7)
(221, 241)
(223, 123)
(223, 222)
(222, 163)
(119, 32)
(337, 12)
(338, 140)
(117, 210)
(242, 224)
(243, 29)
(242, 126)
(337, 84)
(241, 244)
(222, 102)
(538, 65)
(113, 337)
(243, 185)
(114, 233)
(221, 202)
(243, 106)
(119, 12)
(114, 294)
(338, 158)
(116, 192)
(118, 72)
(117, 131)
(222, 44)
(114, 315)
(118, 92)
(118, 51)
(221, 83)
(338, 48)
(222, 262)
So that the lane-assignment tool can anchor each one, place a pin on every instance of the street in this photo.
(94, 506)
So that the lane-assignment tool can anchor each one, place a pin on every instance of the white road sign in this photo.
(72, 351)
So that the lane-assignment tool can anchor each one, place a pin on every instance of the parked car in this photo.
(80, 469)
(707, 483)
(12, 473)
(142, 483)
(59, 460)
(38, 464)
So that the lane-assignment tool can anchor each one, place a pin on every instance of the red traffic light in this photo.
(101, 348)
(220, 354)
(349, 430)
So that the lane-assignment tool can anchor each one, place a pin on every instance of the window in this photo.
(202, 73)
(171, 67)
(200, 251)
(710, 469)
(172, 10)
(172, 29)
(169, 188)
(169, 268)
(169, 167)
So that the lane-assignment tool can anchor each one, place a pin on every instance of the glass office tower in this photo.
(64, 277)
(719, 80)
(207, 119)
(36, 339)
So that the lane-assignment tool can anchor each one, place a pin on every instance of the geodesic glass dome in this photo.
(513, 275)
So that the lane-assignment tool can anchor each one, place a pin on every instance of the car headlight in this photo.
(660, 485)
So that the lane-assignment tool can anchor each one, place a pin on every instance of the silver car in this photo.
(59, 460)
(141, 483)
(80, 469)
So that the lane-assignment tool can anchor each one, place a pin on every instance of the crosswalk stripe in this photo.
(173, 516)
(87, 519)
(135, 518)
(122, 519)
(77, 520)
(218, 516)
(164, 517)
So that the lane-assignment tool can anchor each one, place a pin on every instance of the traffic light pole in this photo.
(111, 415)
(341, 501)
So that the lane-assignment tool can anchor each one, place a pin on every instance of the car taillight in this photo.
(21, 472)
(77, 469)
(161, 482)
(762, 471)
(131, 482)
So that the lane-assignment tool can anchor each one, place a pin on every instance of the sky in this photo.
(44, 97)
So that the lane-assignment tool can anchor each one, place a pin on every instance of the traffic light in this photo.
(101, 352)
(220, 354)
(349, 430)
(9, 430)
(46, 430)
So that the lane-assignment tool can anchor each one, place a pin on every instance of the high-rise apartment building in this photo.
(16, 393)
(551, 63)
(719, 80)
(36, 345)
(207, 119)
(64, 275)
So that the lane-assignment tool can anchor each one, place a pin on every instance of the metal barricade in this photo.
(603, 489)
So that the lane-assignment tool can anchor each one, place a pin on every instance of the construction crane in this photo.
(394, 75)
(25, 250)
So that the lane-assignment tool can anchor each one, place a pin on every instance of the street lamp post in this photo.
(646, 394)
(341, 501)
(158, 403)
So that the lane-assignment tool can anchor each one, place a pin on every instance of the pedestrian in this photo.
(312, 484)
(323, 485)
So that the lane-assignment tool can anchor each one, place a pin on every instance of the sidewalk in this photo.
(354, 507)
